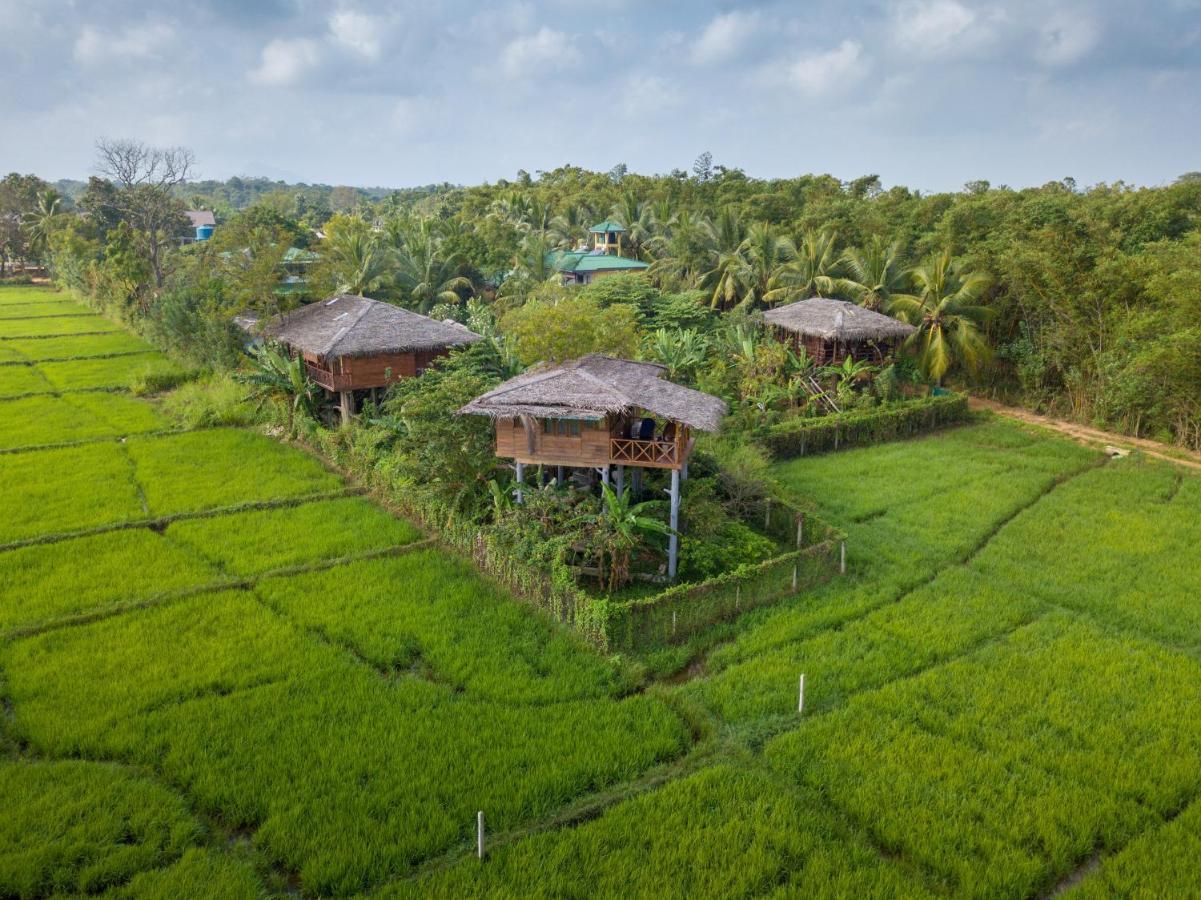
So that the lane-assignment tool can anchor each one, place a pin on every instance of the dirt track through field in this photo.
(1085, 434)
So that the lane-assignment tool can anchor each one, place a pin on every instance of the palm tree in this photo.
(770, 259)
(816, 268)
(617, 530)
(873, 273)
(357, 261)
(570, 227)
(638, 222)
(282, 379)
(724, 252)
(947, 314)
(422, 274)
(39, 222)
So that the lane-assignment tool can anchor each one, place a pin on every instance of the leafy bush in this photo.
(711, 553)
(798, 437)
(159, 376)
(217, 400)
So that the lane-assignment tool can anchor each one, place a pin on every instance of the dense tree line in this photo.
(1081, 302)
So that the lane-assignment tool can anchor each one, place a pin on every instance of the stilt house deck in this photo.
(832, 330)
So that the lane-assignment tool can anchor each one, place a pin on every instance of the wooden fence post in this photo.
(842, 558)
(794, 577)
(800, 530)
(767, 515)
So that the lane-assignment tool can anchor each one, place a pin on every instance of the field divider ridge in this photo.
(227, 583)
(157, 522)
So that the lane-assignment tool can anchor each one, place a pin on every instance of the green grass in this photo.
(86, 324)
(18, 380)
(425, 613)
(108, 372)
(40, 584)
(1160, 863)
(75, 347)
(350, 775)
(224, 467)
(51, 308)
(38, 421)
(254, 542)
(199, 873)
(15, 294)
(45, 492)
(1001, 690)
(80, 827)
(725, 832)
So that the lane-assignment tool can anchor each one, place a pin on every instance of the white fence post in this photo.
(479, 833)
(800, 703)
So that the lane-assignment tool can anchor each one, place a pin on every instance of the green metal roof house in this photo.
(603, 258)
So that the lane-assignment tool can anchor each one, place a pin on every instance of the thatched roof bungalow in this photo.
(597, 411)
(600, 413)
(354, 343)
(831, 330)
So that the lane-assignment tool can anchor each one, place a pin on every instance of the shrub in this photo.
(798, 437)
(715, 552)
(215, 401)
(160, 376)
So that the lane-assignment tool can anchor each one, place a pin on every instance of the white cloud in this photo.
(724, 37)
(138, 42)
(931, 25)
(1066, 37)
(356, 31)
(545, 50)
(646, 95)
(286, 61)
(828, 71)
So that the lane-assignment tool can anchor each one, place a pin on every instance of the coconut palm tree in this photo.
(872, 273)
(724, 253)
(422, 274)
(39, 222)
(947, 313)
(815, 271)
(570, 227)
(637, 219)
(357, 261)
(770, 259)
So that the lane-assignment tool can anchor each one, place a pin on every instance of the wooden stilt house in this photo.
(352, 344)
(832, 330)
(603, 414)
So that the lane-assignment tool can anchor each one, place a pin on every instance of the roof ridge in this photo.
(341, 333)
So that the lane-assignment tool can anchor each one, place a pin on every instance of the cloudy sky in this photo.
(928, 93)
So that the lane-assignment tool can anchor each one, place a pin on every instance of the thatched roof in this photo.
(836, 320)
(346, 325)
(200, 217)
(593, 387)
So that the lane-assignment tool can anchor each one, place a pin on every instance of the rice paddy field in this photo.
(226, 672)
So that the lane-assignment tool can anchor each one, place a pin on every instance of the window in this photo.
(561, 427)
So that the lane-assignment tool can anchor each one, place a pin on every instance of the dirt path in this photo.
(1093, 436)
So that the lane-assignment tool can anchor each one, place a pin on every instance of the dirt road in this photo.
(1093, 436)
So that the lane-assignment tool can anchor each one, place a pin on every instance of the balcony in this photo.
(327, 379)
(655, 454)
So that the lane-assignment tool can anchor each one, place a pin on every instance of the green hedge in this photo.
(798, 437)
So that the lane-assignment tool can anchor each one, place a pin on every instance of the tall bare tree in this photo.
(146, 178)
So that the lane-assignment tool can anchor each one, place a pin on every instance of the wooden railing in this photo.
(327, 379)
(661, 454)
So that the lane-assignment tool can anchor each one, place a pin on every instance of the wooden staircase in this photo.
(814, 389)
